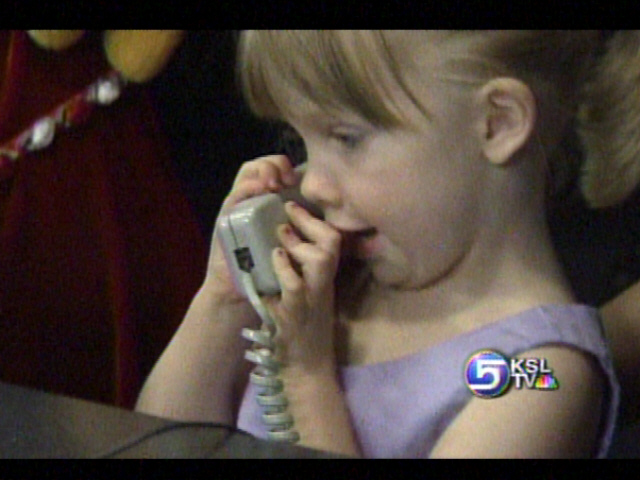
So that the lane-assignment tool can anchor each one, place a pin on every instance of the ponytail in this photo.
(608, 122)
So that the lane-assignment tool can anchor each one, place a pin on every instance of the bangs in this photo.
(333, 70)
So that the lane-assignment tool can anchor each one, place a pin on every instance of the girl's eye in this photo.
(291, 143)
(347, 140)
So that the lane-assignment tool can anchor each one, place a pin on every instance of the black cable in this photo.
(229, 431)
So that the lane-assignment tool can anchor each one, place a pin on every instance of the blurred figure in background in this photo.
(100, 250)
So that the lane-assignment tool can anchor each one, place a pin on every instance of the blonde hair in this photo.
(329, 68)
(609, 123)
(356, 70)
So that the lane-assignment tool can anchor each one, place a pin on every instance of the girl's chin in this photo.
(386, 273)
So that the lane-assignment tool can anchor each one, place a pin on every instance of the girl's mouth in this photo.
(355, 243)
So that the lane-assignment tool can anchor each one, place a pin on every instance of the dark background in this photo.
(212, 133)
(211, 130)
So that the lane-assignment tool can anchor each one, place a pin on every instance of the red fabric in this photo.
(100, 252)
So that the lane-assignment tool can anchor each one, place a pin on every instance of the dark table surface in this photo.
(35, 424)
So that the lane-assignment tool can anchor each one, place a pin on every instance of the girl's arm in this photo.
(321, 415)
(305, 316)
(621, 320)
(202, 373)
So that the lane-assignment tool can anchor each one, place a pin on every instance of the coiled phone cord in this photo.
(271, 395)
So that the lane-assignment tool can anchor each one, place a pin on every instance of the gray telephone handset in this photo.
(248, 236)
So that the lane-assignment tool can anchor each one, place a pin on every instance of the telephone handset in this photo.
(248, 236)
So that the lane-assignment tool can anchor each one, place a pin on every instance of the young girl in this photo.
(431, 155)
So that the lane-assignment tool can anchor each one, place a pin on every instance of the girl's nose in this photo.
(319, 187)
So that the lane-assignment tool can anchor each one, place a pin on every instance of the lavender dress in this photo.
(400, 408)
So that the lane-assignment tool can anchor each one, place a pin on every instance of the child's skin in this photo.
(447, 214)
(621, 320)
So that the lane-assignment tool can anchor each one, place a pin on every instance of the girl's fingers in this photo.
(288, 237)
(263, 175)
(315, 230)
(274, 171)
(318, 267)
(291, 284)
(248, 189)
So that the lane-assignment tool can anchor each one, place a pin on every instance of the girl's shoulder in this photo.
(436, 392)
(565, 422)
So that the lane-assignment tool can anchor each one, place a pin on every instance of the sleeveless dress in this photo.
(400, 408)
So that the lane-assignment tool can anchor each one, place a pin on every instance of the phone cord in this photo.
(270, 397)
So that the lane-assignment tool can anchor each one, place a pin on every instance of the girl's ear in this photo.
(508, 120)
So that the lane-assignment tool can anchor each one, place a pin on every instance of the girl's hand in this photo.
(256, 177)
(304, 312)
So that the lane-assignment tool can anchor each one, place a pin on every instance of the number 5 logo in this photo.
(487, 374)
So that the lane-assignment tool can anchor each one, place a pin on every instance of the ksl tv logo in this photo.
(489, 374)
